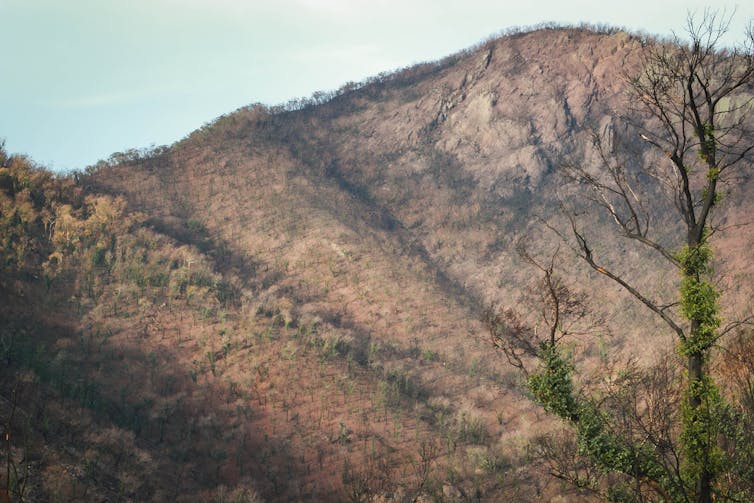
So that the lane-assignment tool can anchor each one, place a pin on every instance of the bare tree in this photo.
(692, 103)
(562, 312)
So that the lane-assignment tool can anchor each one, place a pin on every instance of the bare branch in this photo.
(586, 255)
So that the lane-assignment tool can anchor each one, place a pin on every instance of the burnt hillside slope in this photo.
(288, 302)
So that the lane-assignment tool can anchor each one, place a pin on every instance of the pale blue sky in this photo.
(80, 79)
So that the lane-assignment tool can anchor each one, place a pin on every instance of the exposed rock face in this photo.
(351, 245)
(443, 166)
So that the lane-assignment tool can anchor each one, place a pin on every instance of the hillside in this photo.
(289, 301)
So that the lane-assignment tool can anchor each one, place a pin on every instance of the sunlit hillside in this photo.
(287, 305)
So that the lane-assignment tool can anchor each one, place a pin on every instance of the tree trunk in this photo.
(696, 374)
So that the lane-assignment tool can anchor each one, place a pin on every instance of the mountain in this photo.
(287, 304)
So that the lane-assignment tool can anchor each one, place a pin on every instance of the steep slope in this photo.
(289, 300)
(392, 210)
(452, 162)
(313, 252)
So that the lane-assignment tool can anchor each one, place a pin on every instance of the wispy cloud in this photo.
(356, 61)
(102, 100)
(337, 53)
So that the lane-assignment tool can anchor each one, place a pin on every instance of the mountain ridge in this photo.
(344, 250)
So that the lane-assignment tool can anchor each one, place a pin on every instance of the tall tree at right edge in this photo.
(692, 101)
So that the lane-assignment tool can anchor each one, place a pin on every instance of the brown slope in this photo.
(175, 386)
(322, 256)
(374, 296)
(390, 212)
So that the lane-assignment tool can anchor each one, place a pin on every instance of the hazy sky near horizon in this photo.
(81, 79)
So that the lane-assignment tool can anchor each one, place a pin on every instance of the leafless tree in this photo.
(692, 104)
(560, 312)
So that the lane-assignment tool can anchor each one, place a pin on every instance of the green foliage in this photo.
(708, 148)
(702, 425)
(698, 299)
(695, 260)
(699, 304)
(551, 385)
(614, 454)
